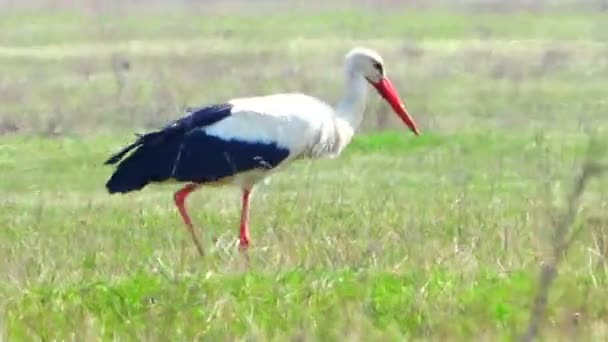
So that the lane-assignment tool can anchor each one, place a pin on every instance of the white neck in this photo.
(349, 114)
(353, 102)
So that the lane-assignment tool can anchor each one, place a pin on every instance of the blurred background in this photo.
(73, 67)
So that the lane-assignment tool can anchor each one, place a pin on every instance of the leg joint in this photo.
(180, 196)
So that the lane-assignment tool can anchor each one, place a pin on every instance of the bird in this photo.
(242, 141)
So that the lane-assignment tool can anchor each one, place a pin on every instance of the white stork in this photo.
(244, 140)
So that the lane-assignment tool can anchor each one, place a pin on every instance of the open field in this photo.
(432, 238)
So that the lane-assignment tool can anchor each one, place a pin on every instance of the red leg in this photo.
(244, 235)
(180, 200)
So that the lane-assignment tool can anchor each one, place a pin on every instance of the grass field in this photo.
(439, 237)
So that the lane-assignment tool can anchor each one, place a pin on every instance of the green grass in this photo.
(268, 306)
(31, 28)
(448, 244)
(437, 237)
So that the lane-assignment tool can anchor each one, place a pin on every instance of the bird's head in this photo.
(369, 64)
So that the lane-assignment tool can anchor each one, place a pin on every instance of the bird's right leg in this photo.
(180, 201)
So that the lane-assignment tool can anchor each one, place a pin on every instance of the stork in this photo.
(245, 140)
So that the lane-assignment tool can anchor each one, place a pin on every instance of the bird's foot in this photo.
(243, 244)
(244, 250)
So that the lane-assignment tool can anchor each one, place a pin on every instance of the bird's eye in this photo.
(377, 66)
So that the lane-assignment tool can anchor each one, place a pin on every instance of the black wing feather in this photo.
(199, 117)
(155, 153)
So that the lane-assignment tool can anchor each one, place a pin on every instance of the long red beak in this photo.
(389, 93)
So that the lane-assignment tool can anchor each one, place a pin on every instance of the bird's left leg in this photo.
(180, 202)
(244, 234)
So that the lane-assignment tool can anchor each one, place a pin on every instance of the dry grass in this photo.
(563, 236)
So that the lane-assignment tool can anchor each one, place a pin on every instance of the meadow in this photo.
(437, 237)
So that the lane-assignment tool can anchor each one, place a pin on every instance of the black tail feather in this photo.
(118, 156)
(156, 152)
(141, 140)
(152, 161)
